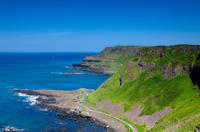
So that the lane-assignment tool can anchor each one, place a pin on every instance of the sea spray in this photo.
(32, 100)
(11, 129)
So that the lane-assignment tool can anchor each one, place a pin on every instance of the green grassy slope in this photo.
(114, 63)
(153, 91)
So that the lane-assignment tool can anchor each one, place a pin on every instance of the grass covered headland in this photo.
(156, 87)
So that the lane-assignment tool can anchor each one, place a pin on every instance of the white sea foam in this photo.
(32, 100)
(56, 72)
(21, 94)
(74, 73)
(45, 109)
(69, 67)
(13, 129)
(62, 73)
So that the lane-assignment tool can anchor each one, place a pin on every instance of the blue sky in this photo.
(91, 25)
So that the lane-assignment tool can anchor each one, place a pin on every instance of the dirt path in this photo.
(134, 129)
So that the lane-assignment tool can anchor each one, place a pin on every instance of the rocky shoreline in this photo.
(71, 104)
(94, 64)
(88, 68)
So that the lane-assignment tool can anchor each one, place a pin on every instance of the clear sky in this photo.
(91, 25)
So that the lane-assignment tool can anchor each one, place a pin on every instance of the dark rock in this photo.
(30, 92)
(146, 66)
(90, 61)
(97, 70)
(79, 65)
(72, 72)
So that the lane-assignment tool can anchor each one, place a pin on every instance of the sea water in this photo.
(41, 71)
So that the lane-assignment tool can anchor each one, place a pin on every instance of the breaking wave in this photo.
(32, 100)
(11, 129)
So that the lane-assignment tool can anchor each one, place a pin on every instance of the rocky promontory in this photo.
(72, 104)
(109, 60)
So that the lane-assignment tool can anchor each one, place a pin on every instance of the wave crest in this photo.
(32, 100)
(11, 129)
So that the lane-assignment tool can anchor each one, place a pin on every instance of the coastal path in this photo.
(92, 108)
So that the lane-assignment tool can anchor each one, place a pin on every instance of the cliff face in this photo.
(156, 86)
(119, 51)
(109, 61)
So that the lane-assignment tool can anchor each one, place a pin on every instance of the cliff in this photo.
(109, 60)
(156, 88)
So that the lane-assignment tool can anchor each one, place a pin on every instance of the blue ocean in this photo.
(41, 71)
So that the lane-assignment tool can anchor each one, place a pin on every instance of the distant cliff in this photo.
(155, 87)
(109, 60)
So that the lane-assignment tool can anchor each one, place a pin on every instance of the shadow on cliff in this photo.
(195, 73)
